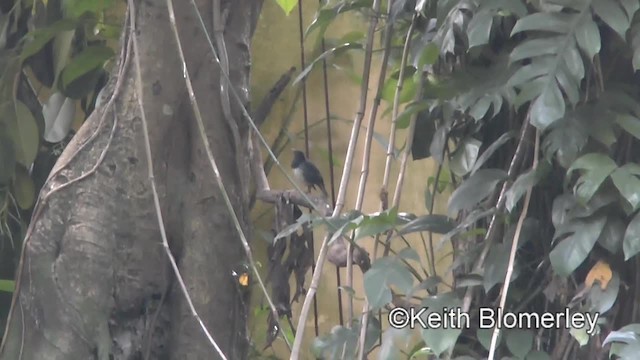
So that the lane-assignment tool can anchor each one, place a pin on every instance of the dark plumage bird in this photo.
(307, 173)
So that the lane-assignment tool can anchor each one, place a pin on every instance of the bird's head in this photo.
(298, 158)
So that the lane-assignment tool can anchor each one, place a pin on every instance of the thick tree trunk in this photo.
(94, 279)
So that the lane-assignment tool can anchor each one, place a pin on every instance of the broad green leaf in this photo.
(602, 300)
(625, 178)
(571, 252)
(597, 168)
(588, 37)
(496, 266)
(523, 183)
(536, 47)
(629, 123)
(519, 341)
(612, 235)
(439, 224)
(287, 5)
(580, 334)
(26, 132)
(324, 17)
(440, 339)
(407, 93)
(91, 58)
(23, 188)
(624, 336)
(373, 225)
(7, 285)
(404, 118)
(385, 272)
(479, 29)
(7, 156)
(544, 21)
(476, 188)
(429, 55)
(75, 8)
(484, 337)
(58, 112)
(491, 150)
(631, 242)
(408, 253)
(538, 355)
(548, 107)
(465, 156)
(40, 37)
(612, 14)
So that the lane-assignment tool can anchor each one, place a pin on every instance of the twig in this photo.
(514, 249)
(342, 190)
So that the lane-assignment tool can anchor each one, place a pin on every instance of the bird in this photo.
(307, 173)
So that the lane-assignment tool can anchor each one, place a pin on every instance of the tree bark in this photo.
(94, 280)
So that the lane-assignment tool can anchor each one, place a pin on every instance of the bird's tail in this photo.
(324, 191)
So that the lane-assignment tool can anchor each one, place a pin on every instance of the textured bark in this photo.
(94, 270)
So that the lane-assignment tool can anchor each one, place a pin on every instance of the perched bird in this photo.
(307, 173)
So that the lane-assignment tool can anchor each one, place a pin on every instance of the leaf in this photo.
(429, 55)
(407, 93)
(439, 224)
(484, 336)
(625, 178)
(23, 188)
(523, 183)
(436, 149)
(324, 17)
(373, 225)
(287, 5)
(7, 285)
(91, 58)
(7, 156)
(475, 189)
(40, 37)
(571, 252)
(408, 253)
(58, 112)
(26, 134)
(612, 235)
(602, 299)
(479, 29)
(384, 272)
(440, 339)
(629, 123)
(631, 241)
(497, 262)
(76, 8)
(588, 37)
(611, 13)
(519, 341)
(544, 21)
(491, 150)
(598, 167)
(621, 336)
(548, 107)
(333, 51)
(465, 156)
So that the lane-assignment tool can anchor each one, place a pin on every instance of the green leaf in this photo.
(324, 17)
(544, 21)
(439, 224)
(519, 341)
(612, 14)
(287, 5)
(625, 178)
(384, 272)
(7, 156)
(26, 134)
(429, 55)
(475, 189)
(405, 116)
(597, 168)
(631, 241)
(629, 123)
(23, 188)
(588, 37)
(441, 338)
(7, 285)
(373, 225)
(523, 183)
(408, 253)
(602, 300)
(40, 37)
(491, 150)
(484, 337)
(572, 251)
(465, 156)
(333, 51)
(548, 107)
(407, 93)
(479, 29)
(496, 266)
(612, 235)
(91, 58)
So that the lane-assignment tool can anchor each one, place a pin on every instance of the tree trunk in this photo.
(94, 280)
